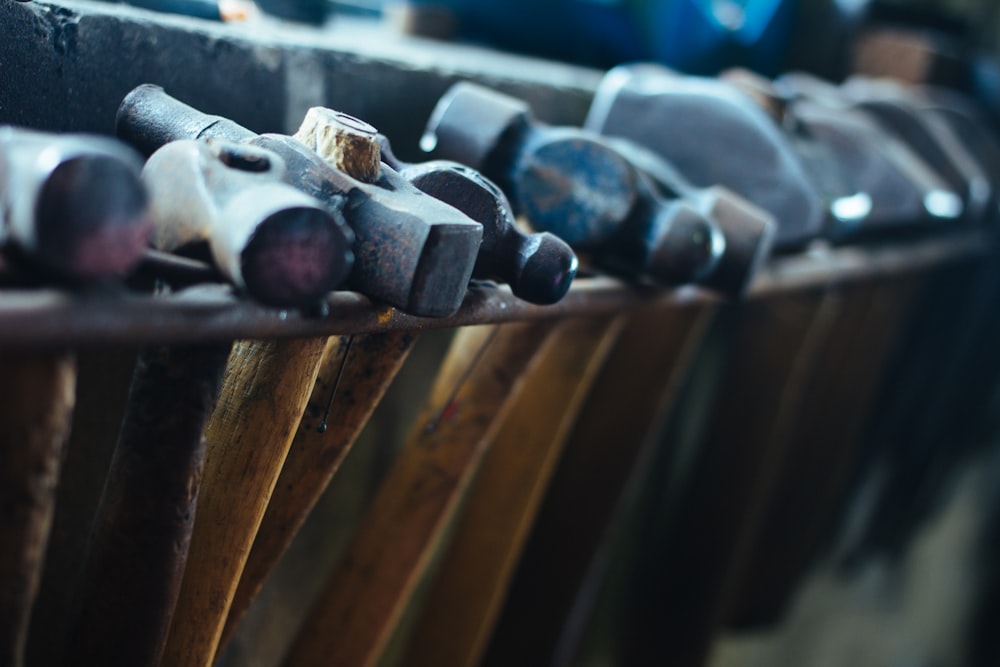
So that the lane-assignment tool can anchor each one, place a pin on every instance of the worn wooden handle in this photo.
(139, 541)
(37, 396)
(652, 357)
(360, 371)
(361, 605)
(264, 394)
(464, 600)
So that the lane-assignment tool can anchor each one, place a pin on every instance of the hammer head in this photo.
(899, 112)
(470, 124)
(748, 230)
(889, 186)
(714, 135)
(73, 204)
(413, 251)
(538, 267)
(270, 239)
(886, 185)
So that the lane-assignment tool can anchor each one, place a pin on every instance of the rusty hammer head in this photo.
(72, 204)
(538, 267)
(415, 251)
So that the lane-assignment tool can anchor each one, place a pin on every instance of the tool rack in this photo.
(715, 425)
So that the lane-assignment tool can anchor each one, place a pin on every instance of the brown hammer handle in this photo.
(652, 357)
(363, 368)
(464, 601)
(139, 541)
(264, 394)
(37, 396)
(362, 604)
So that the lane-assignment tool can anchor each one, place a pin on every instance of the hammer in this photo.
(587, 191)
(538, 267)
(871, 182)
(72, 205)
(714, 135)
(275, 242)
(411, 250)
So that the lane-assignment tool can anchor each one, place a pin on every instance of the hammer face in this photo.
(74, 204)
(414, 251)
(538, 267)
(714, 135)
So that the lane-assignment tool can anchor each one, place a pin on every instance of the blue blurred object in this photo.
(707, 36)
(203, 9)
(698, 36)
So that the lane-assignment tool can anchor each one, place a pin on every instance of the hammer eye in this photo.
(241, 157)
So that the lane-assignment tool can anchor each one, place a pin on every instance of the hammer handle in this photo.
(461, 606)
(139, 541)
(264, 394)
(315, 456)
(37, 396)
(652, 356)
(362, 604)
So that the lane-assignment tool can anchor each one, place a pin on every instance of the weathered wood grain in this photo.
(465, 599)
(364, 600)
(264, 394)
(370, 365)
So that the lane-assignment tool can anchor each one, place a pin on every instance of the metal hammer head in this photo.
(73, 204)
(580, 186)
(538, 267)
(748, 230)
(277, 243)
(413, 250)
(899, 112)
(888, 185)
(714, 135)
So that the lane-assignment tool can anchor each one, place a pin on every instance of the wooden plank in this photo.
(364, 600)
(628, 403)
(139, 541)
(687, 567)
(465, 599)
(36, 404)
(264, 394)
(359, 371)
